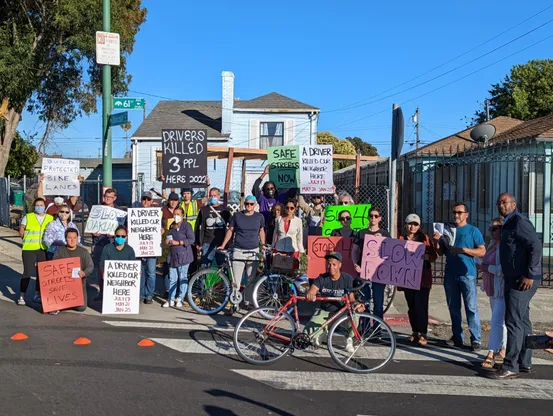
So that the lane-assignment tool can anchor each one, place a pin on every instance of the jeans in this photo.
(517, 320)
(417, 301)
(498, 331)
(209, 252)
(178, 275)
(465, 287)
(148, 278)
(376, 290)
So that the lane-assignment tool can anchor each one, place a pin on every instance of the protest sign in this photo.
(393, 262)
(145, 231)
(359, 217)
(316, 174)
(121, 287)
(319, 247)
(184, 158)
(58, 289)
(61, 177)
(104, 220)
(284, 166)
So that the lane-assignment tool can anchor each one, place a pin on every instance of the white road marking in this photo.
(163, 325)
(403, 384)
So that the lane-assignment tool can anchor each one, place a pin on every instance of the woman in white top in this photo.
(288, 235)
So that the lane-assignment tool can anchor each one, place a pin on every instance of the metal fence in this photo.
(4, 203)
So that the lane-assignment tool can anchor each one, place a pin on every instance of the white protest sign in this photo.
(145, 231)
(121, 287)
(104, 220)
(61, 177)
(316, 175)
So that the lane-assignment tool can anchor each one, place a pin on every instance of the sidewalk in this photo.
(11, 268)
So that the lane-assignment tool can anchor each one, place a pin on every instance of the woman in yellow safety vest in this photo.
(31, 231)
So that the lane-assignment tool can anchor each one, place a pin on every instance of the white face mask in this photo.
(178, 218)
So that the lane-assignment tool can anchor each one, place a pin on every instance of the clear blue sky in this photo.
(325, 53)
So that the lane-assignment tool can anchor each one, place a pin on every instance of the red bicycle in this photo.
(358, 342)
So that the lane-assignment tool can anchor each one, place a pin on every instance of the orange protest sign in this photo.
(58, 289)
(319, 247)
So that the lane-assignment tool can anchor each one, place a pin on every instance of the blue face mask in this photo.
(40, 209)
(119, 241)
(213, 201)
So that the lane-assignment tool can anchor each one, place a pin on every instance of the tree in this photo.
(48, 59)
(361, 147)
(339, 146)
(22, 159)
(525, 94)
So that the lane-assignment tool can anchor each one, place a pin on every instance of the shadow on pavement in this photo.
(222, 393)
(218, 411)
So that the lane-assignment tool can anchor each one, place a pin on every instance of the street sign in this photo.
(108, 50)
(127, 103)
(118, 119)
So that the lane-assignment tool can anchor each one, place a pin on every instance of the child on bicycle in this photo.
(333, 283)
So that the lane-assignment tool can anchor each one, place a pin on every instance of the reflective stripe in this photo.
(34, 229)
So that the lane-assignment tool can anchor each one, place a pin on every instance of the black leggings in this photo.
(31, 258)
(417, 300)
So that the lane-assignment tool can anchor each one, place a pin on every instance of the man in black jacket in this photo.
(520, 254)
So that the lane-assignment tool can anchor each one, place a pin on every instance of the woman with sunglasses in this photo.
(54, 235)
(288, 238)
(345, 231)
(493, 285)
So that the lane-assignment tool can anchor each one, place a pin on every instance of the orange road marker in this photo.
(82, 341)
(20, 336)
(146, 343)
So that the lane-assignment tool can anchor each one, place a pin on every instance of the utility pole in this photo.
(487, 109)
(106, 104)
(416, 120)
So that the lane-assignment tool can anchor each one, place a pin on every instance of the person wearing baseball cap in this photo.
(417, 300)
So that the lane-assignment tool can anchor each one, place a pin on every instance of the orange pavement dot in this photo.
(146, 343)
(20, 336)
(82, 341)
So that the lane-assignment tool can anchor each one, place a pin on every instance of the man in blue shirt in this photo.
(460, 276)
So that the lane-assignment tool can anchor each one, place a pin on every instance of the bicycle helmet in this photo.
(302, 284)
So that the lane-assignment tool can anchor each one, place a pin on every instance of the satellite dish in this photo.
(482, 133)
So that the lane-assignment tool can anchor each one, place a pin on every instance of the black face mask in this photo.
(269, 193)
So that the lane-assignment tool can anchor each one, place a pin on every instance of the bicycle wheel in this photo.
(271, 291)
(373, 350)
(208, 291)
(258, 342)
(389, 294)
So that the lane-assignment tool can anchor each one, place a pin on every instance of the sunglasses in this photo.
(249, 204)
(64, 212)
(270, 189)
(290, 208)
(119, 235)
(458, 212)
(345, 218)
(374, 216)
(146, 199)
(496, 227)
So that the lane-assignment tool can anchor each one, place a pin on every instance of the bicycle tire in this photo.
(389, 295)
(272, 296)
(250, 324)
(201, 293)
(367, 350)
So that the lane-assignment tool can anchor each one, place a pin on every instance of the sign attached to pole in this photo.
(108, 49)
(118, 119)
(184, 158)
(316, 176)
(145, 231)
(61, 177)
(126, 103)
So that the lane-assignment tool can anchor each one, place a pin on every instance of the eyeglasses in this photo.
(64, 212)
(290, 208)
(374, 216)
(146, 199)
(496, 227)
(345, 218)
(459, 212)
(249, 204)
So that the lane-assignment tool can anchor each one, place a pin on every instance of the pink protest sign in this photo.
(392, 262)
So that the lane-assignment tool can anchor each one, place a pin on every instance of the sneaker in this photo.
(454, 342)
(53, 313)
(317, 343)
(178, 303)
(349, 345)
(148, 301)
(36, 299)
(166, 304)
(21, 301)
(98, 297)
(475, 346)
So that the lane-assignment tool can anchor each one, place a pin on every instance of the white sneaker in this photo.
(21, 301)
(349, 345)
(178, 303)
(166, 305)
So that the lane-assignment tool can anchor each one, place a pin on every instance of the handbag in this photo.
(283, 262)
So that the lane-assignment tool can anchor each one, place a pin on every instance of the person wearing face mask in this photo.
(211, 226)
(268, 195)
(54, 236)
(180, 239)
(52, 206)
(119, 250)
(32, 231)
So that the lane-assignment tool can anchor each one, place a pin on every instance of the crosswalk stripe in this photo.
(403, 384)
(163, 325)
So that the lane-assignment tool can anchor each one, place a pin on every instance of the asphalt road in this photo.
(192, 370)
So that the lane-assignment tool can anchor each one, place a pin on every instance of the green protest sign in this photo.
(359, 217)
(285, 164)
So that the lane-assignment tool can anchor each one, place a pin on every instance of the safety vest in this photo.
(191, 214)
(34, 232)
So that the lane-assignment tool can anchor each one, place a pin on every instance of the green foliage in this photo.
(339, 146)
(363, 148)
(525, 94)
(22, 158)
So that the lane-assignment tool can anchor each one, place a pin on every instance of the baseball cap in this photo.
(334, 255)
(147, 194)
(173, 196)
(251, 198)
(412, 218)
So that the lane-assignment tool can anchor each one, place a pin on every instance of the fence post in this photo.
(357, 176)
(99, 186)
(228, 175)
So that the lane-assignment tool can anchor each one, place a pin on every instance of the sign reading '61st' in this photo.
(128, 103)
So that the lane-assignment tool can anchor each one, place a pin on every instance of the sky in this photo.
(352, 58)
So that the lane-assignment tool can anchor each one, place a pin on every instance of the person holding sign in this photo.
(54, 236)
(288, 235)
(345, 219)
(52, 206)
(180, 240)
(268, 195)
(417, 300)
(71, 250)
(313, 214)
(32, 231)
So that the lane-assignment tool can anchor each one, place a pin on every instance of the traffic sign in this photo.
(127, 103)
(108, 51)
(118, 119)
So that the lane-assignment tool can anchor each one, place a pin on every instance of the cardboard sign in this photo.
(104, 220)
(184, 158)
(285, 164)
(61, 177)
(58, 289)
(393, 262)
(319, 247)
(121, 287)
(359, 217)
(145, 231)
(316, 173)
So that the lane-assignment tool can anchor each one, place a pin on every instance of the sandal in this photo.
(488, 362)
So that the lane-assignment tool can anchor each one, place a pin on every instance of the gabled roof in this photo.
(273, 101)
(532, 129)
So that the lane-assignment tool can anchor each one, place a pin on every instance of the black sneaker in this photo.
(454, 342)
(148, 301)
(98, 297)
(475, 346)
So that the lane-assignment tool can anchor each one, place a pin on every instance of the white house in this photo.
(269, 120)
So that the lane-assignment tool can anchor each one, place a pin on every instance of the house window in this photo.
(271, 134)
(159, 164)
